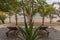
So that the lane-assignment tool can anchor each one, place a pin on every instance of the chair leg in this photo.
(7, 33)
(47, 33)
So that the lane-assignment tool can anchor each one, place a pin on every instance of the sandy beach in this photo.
(54, 28)
(37, 21)
(54, 34)
(34, 19)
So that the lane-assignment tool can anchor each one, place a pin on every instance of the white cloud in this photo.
(51, 1)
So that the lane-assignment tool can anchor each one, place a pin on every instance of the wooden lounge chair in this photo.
(45, 29)
(12, 29)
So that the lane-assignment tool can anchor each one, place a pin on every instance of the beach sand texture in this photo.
(53, 35)
(54, 29)
(37, 21)
(34, 19)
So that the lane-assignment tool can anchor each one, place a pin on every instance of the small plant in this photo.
(29, 33)
(58, 20)
(2, 18)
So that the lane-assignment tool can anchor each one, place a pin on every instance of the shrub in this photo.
(29, 33)
(2, 18)
(58, 20)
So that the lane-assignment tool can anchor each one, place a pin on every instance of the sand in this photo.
(53, 35)
(54, 28)
(34, 19)
(37, 22)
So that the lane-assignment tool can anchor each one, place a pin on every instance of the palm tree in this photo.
(15, 7)
(51, 11)
(30, 10)
(51, 17)
(12, 5)
(10, 13)
(42, 9)
(2, 17)
(3, 6)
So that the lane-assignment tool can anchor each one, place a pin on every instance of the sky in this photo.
(51, 1)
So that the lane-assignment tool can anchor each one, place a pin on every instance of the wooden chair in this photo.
(14, 29)
(41, 28)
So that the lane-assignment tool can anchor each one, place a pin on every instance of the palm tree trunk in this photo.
(24, 16)
(25, 23)
(31, 19)
(50, 19)
(59, 15)
(16, 19)
(9, 19)
(3, 21)
(31, 16)
(28, 19)
(43, 20)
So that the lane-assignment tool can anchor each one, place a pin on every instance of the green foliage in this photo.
(42, 9)
(29, 7)
(10, 13)
(2, 17)
(14, 5)
(29, 33)
(27, 4)
(58, 20)
(3, 6)
(27, 11)
(45, 9)
(6, 5)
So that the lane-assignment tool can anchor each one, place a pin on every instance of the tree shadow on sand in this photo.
(53, 34)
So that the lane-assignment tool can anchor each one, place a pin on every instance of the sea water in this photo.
(35, 16)
(21, 16)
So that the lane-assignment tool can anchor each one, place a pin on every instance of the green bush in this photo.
(58, 20)
(2, 18)
(29, 33)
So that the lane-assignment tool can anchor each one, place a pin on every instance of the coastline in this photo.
(37, 22)
(34, 19)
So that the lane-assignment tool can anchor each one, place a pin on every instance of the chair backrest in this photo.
(12, 28)
(43, 28)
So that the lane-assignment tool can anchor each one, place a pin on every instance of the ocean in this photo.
(36, 16)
